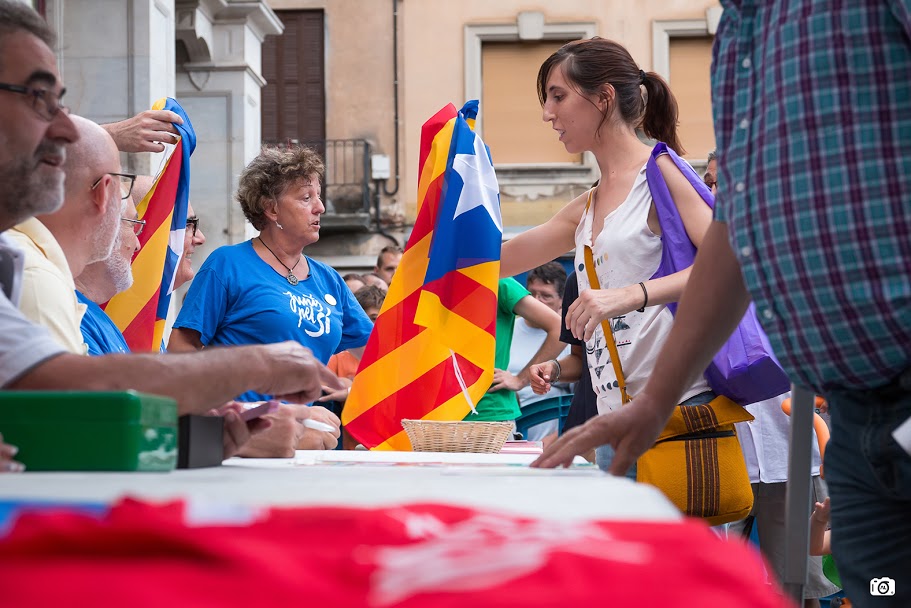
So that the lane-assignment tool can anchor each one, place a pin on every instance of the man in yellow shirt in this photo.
(59, 246)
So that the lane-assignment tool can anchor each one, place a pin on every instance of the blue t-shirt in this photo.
(237, 298)
(99, 331)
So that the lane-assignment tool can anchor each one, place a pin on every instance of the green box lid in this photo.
(90, 431)
(86, 406)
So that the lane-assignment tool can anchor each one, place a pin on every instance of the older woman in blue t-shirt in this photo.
(266, 290)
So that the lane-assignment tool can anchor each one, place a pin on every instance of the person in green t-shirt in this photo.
(500, 402)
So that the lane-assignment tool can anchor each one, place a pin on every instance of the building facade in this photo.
(357, 79)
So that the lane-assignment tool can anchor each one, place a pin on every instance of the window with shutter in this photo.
(293, 100)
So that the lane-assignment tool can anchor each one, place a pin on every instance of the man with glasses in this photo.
(34, 135)
(36, 128)
(710, 177)
(59, 246)
(101, 281)
(193, 237)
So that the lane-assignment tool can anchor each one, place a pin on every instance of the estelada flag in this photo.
(431, 353)
(140, 311)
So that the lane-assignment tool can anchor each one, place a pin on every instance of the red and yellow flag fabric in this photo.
(140, 311)
(431, 353)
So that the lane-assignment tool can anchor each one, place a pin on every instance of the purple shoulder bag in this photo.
(745, 369)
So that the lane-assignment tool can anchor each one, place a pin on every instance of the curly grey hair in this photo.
(270, 174)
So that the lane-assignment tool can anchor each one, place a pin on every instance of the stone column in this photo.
(219, 53)
(116, 58)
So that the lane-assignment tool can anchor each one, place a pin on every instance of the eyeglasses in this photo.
(138, 225)
(193, 222)
(126, 183)
(709, 181)
(44, 101)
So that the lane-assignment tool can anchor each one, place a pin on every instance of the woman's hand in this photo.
(596, 305)
(540, 374)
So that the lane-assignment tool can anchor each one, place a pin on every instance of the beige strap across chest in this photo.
(605, 324)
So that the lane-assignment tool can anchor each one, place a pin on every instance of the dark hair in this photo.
(370, 296)
(714, 176)
(353, 276)
(388, 249)
(270, 174)
(551, 273)
(589, 64)
(16, 16)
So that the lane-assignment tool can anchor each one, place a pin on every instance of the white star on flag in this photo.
(479, 180)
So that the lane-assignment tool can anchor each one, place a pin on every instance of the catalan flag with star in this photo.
(141, 310)
(431, 353)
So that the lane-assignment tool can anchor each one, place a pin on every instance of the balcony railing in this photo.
(346, 183)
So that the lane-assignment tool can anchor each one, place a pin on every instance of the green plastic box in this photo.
(90, 431)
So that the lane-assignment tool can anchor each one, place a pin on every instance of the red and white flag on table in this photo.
(409, 556)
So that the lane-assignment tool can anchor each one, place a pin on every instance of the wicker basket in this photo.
(457, 436)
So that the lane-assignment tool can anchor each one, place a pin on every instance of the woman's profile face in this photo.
(574, 116)
(300, 207)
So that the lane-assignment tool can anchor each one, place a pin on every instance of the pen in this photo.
(316, 425)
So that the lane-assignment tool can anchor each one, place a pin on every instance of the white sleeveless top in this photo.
(625, 253)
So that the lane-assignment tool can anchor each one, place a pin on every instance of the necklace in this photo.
(290, 278)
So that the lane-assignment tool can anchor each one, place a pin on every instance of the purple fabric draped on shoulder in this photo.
(745, 369)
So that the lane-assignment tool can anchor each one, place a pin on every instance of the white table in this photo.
(493, 481)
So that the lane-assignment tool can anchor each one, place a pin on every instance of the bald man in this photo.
(101, 281)
(60, 245)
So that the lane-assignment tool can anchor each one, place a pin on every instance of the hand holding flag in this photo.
(140, 311)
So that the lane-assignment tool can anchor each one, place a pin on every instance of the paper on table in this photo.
(514, 470)
(522, 447)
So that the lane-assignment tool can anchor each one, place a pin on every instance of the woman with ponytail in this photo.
(597, 99)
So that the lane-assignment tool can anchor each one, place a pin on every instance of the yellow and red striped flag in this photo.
(140, 311)
(431, 353)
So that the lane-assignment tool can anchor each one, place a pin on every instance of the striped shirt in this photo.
(812, 111)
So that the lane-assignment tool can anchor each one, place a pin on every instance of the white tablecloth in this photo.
(493, 481)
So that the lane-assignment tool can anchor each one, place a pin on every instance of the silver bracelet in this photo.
(559, 370)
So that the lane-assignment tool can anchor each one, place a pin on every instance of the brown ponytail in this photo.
(589, 64)
(660, 119)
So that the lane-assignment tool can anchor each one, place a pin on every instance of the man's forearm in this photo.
(712, 305)
(198, 381)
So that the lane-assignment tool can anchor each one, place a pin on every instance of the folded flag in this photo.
(140, 311)
(431, 353)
